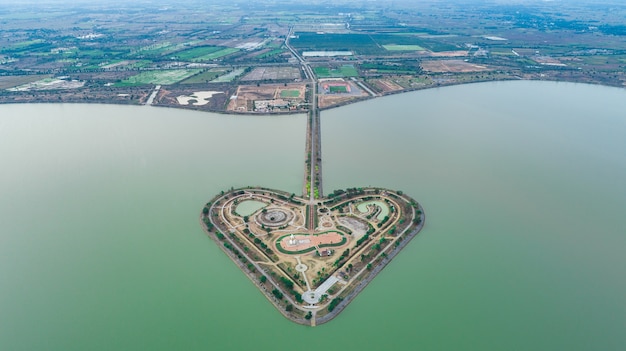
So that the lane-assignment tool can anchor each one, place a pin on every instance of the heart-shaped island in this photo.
(311, 255)
(311, 259)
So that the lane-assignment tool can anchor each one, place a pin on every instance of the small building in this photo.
(325, 252)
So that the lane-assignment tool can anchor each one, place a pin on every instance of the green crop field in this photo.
(217, 54)
(395, 47)
(359, 43)
(270, 53)
(289, 93)
(197, 52)
(343, 71)
(26, 44)
(205, 77)
(158, 77)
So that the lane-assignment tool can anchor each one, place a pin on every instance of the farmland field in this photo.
(197, 52)
(13, 81)
(359, 43)
(433, 44)
(395, 47)
(229, 77)
(217, 54)
(206, 76)
(158, 77)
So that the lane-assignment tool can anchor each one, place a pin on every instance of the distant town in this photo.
(264, 57)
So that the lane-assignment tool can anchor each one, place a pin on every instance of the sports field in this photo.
(343, 71)
(290, 93)
(337, 89)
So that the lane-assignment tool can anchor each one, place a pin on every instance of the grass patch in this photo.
(165, 77)
(395, 47)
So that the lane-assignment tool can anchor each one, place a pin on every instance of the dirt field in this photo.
(332, 100)
(385, 85)
(272, 73)
(459, 53)
(14, 81)
(246, 95)
(454, 66)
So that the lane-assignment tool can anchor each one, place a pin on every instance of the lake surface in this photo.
(523, 184)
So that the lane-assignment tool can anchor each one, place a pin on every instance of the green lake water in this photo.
(248, 207)
(384, 209)
(523, 185)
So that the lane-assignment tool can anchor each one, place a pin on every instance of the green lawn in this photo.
(394, 47)
(158, 77)
(343, 71)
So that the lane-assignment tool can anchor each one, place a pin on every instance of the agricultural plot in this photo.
(217, 54)
(197, 52)
(204, 53)
(161, 49)
(336, 72)
(158, 77)
(361, 44)
(206, 76)
(391, 67)
(49, 84)
(385, 85)
(272, 73)
(229, 77)
(456, 66)
(270, 53)
(413, 43)
(13, 81)
(396, 47)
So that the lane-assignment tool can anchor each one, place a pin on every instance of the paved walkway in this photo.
(313, 297)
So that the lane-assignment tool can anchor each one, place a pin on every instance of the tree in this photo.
(263, 279)
(289, 308)
(308, 315)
